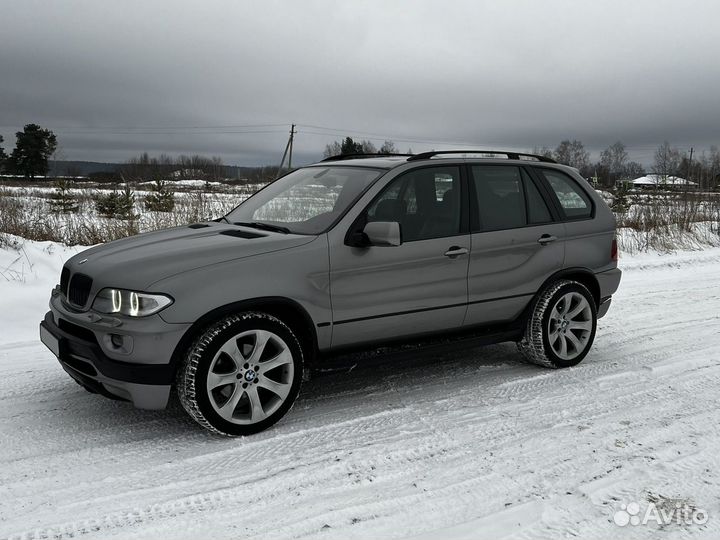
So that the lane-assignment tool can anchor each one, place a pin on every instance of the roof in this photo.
(661, 179)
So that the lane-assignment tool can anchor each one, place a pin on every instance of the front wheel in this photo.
(561, 327)
(241, 375)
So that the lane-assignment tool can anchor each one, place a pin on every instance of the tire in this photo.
(241, 375)
(555, 326)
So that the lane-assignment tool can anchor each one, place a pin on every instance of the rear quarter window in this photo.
(573, 200)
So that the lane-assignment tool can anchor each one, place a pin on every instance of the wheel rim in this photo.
(250, 377)
(570, 325)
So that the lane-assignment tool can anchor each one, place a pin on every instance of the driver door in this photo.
(420, 286)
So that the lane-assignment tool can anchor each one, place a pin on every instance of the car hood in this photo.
(138, 261)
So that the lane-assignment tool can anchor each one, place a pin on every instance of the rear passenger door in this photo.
(517, 242)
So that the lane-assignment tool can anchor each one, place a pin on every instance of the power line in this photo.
(395, 139)
(133, 128)
(148, 133)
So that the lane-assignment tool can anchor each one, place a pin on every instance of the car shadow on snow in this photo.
(337, 388)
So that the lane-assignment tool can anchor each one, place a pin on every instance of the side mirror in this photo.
(383, 233)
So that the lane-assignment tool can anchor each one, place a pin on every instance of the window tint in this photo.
(537, 210)
(426, 203)
(499, 195)
(574, 201)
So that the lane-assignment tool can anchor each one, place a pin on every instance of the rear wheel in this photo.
(561, 327)
(242, 374)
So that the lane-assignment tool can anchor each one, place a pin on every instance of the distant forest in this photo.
(111, 172)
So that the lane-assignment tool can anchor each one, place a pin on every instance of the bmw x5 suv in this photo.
(351, 252)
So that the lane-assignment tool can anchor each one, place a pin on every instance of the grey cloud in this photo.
(511, 74)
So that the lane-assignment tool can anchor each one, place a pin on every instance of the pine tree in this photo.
(62, 201)
(126, 204)
(161, 198)
(105, 204)
(3, 156)
(33, 148)
(117, 204)
(349, 146)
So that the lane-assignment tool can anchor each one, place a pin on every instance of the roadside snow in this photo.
(28, 272)
(463, 445)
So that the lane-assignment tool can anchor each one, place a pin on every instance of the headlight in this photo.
(130, 303)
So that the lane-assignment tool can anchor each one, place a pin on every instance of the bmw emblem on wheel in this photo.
(250, 375)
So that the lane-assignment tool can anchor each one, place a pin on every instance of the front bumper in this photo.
(147, 386)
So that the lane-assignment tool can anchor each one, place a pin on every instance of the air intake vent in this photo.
(243, 234)
(79, 290)
(198, 226)
(64, 280)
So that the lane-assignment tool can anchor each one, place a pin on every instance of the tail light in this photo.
(614, 250)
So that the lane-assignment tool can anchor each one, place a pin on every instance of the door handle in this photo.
(545, 239)
(456, 251)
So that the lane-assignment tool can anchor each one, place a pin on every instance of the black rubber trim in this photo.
(91, 385)
(427, 342)
(447, 306)
(73, 348)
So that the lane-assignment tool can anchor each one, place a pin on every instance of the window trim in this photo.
(526, 174)
(476, 225)
(555, 199)
(361, 220)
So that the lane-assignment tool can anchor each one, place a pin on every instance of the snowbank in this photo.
(28, 272)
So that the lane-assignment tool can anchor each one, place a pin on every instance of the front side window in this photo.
(425, 202)
(574, 201)
(507, 198)
(306, 201)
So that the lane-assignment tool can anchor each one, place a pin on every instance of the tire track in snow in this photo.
(397, 450)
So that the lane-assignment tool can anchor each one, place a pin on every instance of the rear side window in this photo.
(507, 198)
(574, 201)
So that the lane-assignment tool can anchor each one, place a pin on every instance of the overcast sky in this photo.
(114, 78)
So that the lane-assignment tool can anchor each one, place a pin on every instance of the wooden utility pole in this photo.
(290, 142)
(288, 147)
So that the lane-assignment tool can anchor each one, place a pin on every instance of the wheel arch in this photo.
(289, 311)
(582, 275)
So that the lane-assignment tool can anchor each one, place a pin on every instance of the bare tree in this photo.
(613, 159)
(572, 153)
(543, 151)
(633, 169)
(667, 160)
(388, 147)
(332, 149)
(368, 147)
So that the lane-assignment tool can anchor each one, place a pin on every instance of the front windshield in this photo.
(306, 201)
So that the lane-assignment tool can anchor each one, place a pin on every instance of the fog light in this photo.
(116, 340)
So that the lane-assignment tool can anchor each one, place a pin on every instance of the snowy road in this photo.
(466, 446)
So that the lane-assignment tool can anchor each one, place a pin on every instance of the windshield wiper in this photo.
(263, 226)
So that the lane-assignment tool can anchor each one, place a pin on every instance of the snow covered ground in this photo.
(462, 445)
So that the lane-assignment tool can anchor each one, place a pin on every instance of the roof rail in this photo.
(510, 155)
(343, 157)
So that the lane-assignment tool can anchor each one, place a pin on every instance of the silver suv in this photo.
(346, 253)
